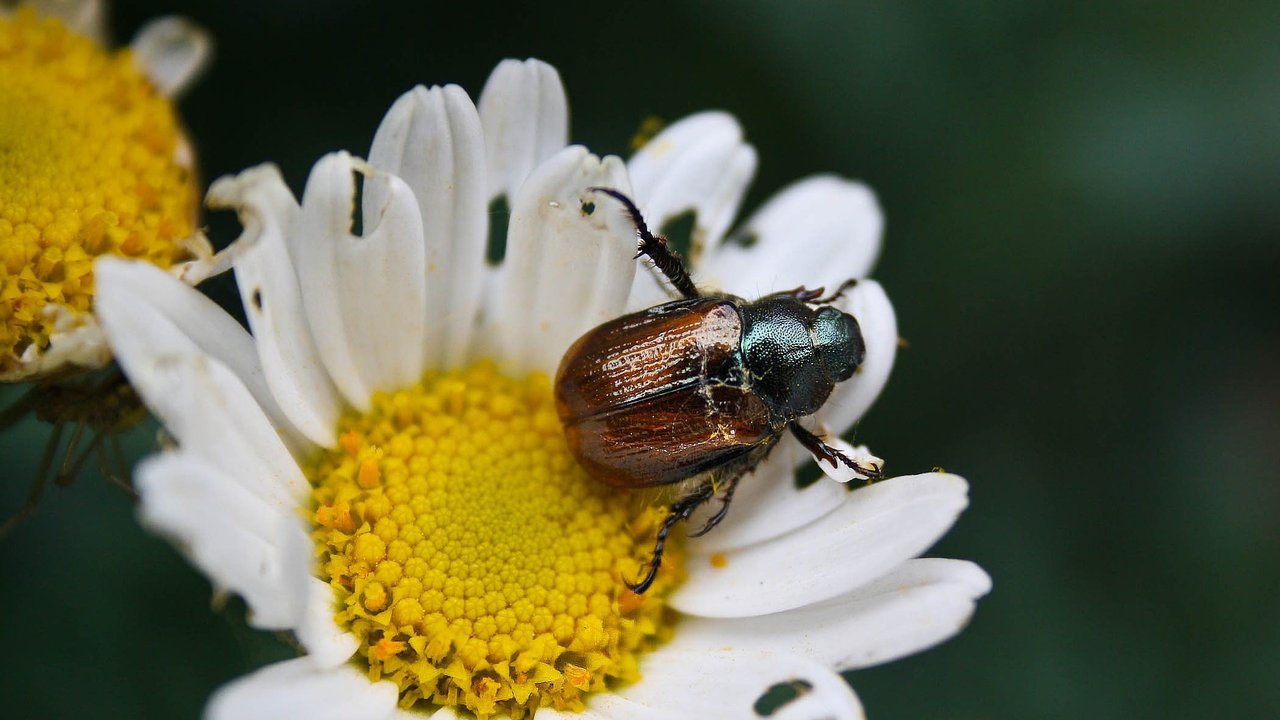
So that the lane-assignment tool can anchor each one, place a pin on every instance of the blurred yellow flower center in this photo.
(89, 166)
(474, 560)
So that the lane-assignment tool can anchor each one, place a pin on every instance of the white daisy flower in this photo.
(380, 470)
(95, 163)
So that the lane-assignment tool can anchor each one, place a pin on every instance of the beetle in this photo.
(690, 395)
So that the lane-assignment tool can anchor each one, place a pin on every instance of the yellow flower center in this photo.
(89, 165)
(475, 561)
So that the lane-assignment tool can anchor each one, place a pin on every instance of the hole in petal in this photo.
(257, 299)
(499, 218)
(778, 695)
(679, 232)
(588, 208)
(745, 238)
(357, 204)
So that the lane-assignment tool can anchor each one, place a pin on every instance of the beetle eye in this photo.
(839, 342)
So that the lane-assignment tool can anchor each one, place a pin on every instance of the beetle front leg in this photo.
(656, 247)
(680, 510)
(818, 448)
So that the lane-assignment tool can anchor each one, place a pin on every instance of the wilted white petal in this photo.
(273, 301)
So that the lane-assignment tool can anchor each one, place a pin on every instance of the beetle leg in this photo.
(802, 293)
(725, 499)
(680, 510)
(835, 295)
(814, 445)
(664, 258)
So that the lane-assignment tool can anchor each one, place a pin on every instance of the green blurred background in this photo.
(1083, 246)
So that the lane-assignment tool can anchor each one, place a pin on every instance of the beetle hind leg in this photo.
(655, 247)
(725, 499)
(680, 510)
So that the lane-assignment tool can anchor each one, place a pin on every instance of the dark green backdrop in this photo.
(1083, 244)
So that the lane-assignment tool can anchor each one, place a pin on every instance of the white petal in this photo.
(849, 401)
(860, 455)
(876, 529)
(918, 605)
(326, 643)
(365, 297)
(818, 232)
(273, 302)
(768, 504)
(432, 140)
(699, 164)
(526, 120)
(726, 684)
(207, 409)
(83, 17)
(172, 52)
(241, 542)
(298, 689)
(566, 271)
(148, 313)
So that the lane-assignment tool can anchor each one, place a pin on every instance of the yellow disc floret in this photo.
(475, 561)
(90, 164)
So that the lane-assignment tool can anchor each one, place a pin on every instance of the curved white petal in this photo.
(768, 504)
(432, 140)
(918, 605)
(699, 164)
(726, 684)
(83, 17)
(172, 52)
(240, 541)
(326, 643)
(272, 300)
(147, 313)
(365, 297)
(876, 529)
(817, 232)
(526, 120)
(299, 689)
(566, 271)
(213, 417)
(868, 303)
(865, 465)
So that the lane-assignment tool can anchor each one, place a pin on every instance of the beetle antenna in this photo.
(655, 247)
